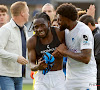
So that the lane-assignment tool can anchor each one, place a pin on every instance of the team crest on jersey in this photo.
(85, 40)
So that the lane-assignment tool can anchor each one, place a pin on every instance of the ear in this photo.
(89, 24)
(67, 20)
(22, 13)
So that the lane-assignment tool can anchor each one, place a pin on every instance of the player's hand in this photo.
(62, 48)
(42, 65)
(22, 60)
(57, 54)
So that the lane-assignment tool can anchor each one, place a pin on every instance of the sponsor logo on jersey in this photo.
(48, 49)
(85, 40)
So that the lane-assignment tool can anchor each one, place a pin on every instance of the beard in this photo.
(63, 27)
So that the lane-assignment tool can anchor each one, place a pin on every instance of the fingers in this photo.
(40, 59)
(42, 65)
(22, 60)
(55, 52)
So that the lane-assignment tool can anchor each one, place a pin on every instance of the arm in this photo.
(6, 52)
(61, 35)
(32, 56)
(84, 56)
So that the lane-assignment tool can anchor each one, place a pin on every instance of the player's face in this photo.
(40, 26)
(63, 23)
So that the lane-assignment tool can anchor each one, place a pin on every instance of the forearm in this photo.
(78, 56)
(35, 68)
(40, 66)
(8, 55)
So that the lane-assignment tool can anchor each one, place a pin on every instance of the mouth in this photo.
(42, 33)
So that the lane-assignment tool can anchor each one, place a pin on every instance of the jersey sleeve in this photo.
(86, 39)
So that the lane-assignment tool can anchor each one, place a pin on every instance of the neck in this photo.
(19, 21)
(1, 24)
(72, 25)
(93, 28)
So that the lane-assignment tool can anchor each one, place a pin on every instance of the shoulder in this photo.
(32, 42)
(84, 28)
(60, 34)
(97, 36)
(5, 29)
(9, 26)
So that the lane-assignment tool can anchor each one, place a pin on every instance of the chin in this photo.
(42, 36)
(62, 29)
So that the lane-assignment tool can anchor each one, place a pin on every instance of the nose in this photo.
(39, 29)
(1, 16)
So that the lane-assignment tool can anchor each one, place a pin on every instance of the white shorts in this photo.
(74, 85)
(53, 80)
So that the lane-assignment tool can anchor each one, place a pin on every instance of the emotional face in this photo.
(63, 22)
(41, 27)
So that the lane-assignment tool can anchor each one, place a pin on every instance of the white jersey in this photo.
(77, 39)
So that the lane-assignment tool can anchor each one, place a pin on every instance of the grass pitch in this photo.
(27, 86)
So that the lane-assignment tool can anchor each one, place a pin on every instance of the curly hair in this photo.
(68, 11)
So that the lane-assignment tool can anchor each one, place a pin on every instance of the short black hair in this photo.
(67, 10)
(42, 15)
(87, 19)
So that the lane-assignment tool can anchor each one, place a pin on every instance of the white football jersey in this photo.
(77, 39)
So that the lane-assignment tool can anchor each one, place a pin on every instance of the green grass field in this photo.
(27, 86)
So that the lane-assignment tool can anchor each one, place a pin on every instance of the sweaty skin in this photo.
(41, 28)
